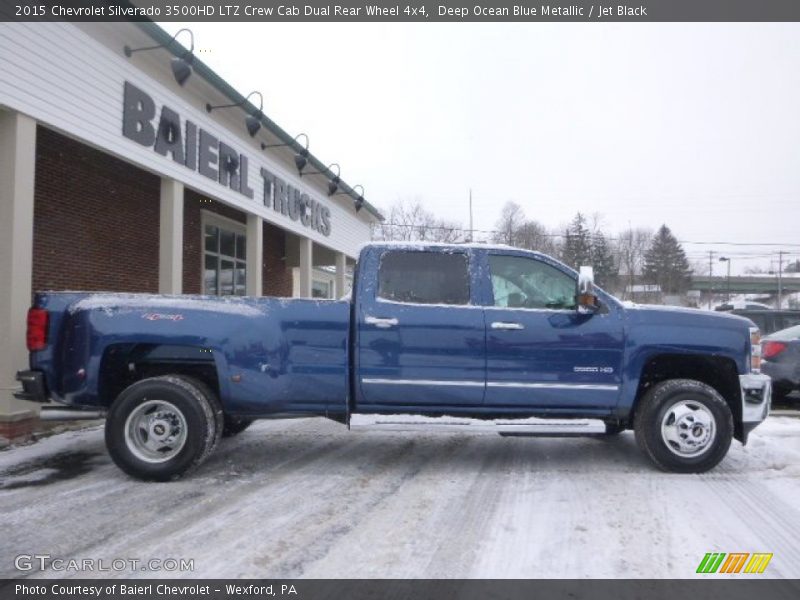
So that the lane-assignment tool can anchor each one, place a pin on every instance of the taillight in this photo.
(755, 350)
(37, 329)
(771, 349)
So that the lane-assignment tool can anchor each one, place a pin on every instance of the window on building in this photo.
(321, 289)
(424, 277)
(224, 267)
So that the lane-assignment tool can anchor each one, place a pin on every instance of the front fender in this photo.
(653, 332)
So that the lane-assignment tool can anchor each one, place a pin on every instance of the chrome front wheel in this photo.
(688, 428)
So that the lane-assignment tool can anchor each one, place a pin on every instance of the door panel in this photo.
(540, 352)
(553, 359)
(421, 339)
(433, 355)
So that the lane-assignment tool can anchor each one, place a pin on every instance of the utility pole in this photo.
(471, 230)
(780, 279)
(710, 275)
(727, 259)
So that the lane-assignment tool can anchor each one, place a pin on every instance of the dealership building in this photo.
(127, 165)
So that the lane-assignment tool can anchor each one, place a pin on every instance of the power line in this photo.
(591, 234)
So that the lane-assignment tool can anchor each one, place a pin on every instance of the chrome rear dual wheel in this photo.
(156, 431)
(161, 428)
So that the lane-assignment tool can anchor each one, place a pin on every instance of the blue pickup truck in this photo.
(485, 334)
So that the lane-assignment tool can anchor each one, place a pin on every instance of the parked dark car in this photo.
(728, 306)
(780, 354)
(769, 320)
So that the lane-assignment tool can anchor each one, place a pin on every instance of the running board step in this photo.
(69, 413)
(507, 427)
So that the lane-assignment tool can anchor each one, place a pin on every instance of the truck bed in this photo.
(271, 354)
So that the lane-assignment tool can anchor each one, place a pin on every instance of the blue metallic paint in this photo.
(289, 356)
(295, 356)
(430, 342)
(553, 347)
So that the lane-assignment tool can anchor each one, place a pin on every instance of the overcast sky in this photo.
(692, 125)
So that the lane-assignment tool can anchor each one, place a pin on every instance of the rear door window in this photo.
(424, 277)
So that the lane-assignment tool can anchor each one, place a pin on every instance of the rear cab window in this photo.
(423, 277)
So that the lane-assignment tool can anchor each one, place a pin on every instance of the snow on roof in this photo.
(452, 246)
(742, 304)
(424, 244)
(642, 288)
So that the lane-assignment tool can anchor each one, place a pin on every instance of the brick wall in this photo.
(277, 277)
(95, 220)
(96, 225)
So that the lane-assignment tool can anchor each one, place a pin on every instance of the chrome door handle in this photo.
(381, 322)
(507, 325)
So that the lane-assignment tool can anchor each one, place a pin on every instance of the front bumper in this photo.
(756, 400)
(33, 386)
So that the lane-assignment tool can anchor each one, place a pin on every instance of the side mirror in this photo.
(586, 299)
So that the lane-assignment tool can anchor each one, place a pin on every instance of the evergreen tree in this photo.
(577, 250)
(665, 263)
(605, 269)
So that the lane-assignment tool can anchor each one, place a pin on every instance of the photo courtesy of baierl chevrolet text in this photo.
(385, 300)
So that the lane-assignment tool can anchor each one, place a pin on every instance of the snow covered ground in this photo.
(307, 498)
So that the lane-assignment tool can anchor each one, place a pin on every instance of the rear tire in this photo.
(159, 429)
(683, 426)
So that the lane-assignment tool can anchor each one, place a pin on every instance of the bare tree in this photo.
(747, 270)
(512, 218)
(535, 236)
(409, 221)
(515, 229)
(631, 246)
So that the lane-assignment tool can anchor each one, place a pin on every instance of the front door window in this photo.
(519, 282)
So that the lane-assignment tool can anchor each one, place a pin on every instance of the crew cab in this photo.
(490, 334)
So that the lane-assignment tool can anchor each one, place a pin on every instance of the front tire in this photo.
(684, 426)
(160, 428)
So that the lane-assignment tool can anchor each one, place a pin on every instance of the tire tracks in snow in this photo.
(306, 498)
(768, 524)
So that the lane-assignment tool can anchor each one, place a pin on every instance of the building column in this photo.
(255, 255)
(341, 272)
(170, 240)
(17, 169)
(306, 266)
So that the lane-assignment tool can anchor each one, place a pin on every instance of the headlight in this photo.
(755, 350)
